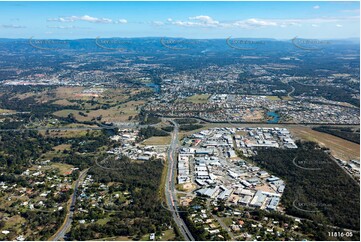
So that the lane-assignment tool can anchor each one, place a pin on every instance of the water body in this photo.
(275, 118)
(154, 86)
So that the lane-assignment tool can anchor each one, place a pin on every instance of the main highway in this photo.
(100, 127)
(170, 194)
(55, 129)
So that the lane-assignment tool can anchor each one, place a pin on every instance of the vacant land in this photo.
(68, 133)
(157, 140)
(64, 169)
(198, 98)
(273, 98)
(254, 115)
(186, 187)
(6, 111)
(87, 98)
(62, 147)
(349, 134)
(64, 102)
(67, 92)
(121, 113)
(287, 98)
(115, 238)
(340, 148)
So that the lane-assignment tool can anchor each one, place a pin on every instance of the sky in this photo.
(196, 20)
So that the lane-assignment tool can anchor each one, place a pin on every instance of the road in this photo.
(290, 93)
(69, 215)
(170, 185)
(52, 129)
(225, 228)
(222, 224)
(75, 128)
(240, 124)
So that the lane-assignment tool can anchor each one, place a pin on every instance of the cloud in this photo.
(61, 27)
(357, 10)
(158, 23)
(197, 21)
(339, 26)
(315, 22)
(85, 18)
(12, 26)
(205, 20)
(122, 21)
(316, 7)
(253, 23)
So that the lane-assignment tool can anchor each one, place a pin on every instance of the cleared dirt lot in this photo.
(157, 140)
(340, 148)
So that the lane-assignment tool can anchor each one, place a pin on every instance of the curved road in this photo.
(69, 216)
(170, 186)
(290, 93)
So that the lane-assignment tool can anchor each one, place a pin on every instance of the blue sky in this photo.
(279, 20)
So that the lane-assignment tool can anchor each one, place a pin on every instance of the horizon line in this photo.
(160, 37)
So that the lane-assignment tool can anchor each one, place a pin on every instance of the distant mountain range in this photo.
(159, 44)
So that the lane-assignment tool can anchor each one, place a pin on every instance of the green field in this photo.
(198, 98)
(157, 140)
(273, 98)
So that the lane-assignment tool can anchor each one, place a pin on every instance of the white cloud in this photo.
(339, 26)
(205, 20)
(85, 18)
(253, 23)
(95, 20)
(315, 22)
(158, 23)
(65, 27)
(61, 27)
(316, 7)
(197, 21)
(357, 10)
(122, 21)
(12, 26)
